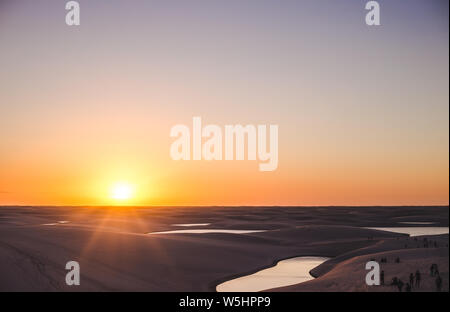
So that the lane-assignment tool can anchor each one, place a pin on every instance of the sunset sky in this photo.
(363, 112)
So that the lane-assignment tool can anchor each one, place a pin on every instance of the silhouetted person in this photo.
(411, 279)
(394, 281)
(438, 283)
(400, 285)
(417, 278)
(408, 287)
(397, 260)
(434, 270)
(382, 277)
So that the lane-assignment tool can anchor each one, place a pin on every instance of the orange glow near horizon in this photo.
(363, 114)
(224, 183)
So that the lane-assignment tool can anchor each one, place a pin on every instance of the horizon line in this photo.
(224, 206)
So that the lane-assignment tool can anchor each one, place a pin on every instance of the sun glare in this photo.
(122, 191)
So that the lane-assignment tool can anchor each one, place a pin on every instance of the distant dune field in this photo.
(116, 253)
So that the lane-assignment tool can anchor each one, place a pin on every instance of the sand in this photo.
(116, 254)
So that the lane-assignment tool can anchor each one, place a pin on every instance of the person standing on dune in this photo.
(417, 278)
(438, 283)
(400, 285)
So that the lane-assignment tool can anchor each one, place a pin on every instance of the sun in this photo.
(122, 191)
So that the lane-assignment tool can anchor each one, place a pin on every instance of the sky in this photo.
(363, 112)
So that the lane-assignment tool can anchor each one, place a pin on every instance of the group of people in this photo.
(434, 271)
(414, 278)
(414, 281)
(428, 243)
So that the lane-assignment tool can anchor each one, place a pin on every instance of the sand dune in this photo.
(115, 254)
(349, 275)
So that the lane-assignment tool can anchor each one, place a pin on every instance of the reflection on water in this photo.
(204, 231)
(414, 231)
(192, 224)
(286, 272)
(58, 222)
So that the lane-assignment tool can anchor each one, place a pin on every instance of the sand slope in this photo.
(116, 254)
(347, 272)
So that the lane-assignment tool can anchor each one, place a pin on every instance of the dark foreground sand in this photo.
(116, 253)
